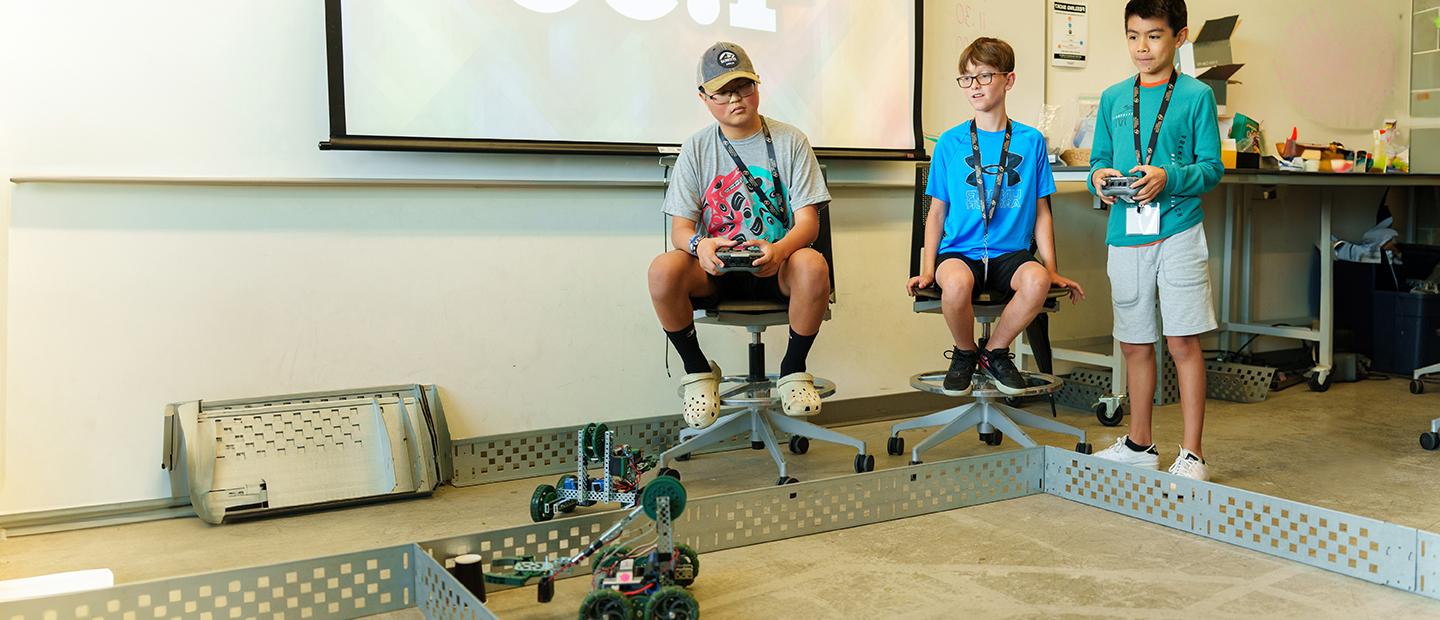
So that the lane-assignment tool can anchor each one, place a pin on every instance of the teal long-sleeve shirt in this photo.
(1188, 150)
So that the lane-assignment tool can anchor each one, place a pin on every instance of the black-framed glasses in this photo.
(984, 79)
(739, 92)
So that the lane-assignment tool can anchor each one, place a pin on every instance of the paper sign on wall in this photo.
(1069, 35)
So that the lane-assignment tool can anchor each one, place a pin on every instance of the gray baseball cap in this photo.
(721, 63)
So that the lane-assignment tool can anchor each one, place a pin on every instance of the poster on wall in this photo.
(1068, 34)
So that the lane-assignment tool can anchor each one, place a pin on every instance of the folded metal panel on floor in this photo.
(272, 454)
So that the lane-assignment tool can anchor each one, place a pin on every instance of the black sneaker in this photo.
(962, 368)
(1000, 365)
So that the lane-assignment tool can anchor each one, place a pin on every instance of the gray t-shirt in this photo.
(707, 187)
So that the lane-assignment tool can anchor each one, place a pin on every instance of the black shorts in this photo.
(1002, 271)
(742, 286)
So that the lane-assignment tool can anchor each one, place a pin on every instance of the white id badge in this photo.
(1142, 219)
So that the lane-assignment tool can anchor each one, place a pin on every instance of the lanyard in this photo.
(1159, 118)
(751, 182)
(988, 204)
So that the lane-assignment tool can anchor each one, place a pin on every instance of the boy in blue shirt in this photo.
(990, 183)
(1161, 127)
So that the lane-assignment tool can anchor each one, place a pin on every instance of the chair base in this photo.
(987, 414)
(761, 422)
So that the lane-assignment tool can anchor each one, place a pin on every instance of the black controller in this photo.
(738, 260)
(1120, 187)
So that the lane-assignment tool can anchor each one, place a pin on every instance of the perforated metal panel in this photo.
(1223, 381)
(442, 597)
(551, 539)
(342, 586)
(269, 454)
(394, 578)
(1083, 387)
(765, 515)
(1427, 564)
(1156, 497)
(1238, 382)
(1372, 550)
(774, 513)
(498, 458)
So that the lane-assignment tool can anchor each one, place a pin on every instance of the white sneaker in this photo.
(700, 392)
(1121, 453)
(1192, 468)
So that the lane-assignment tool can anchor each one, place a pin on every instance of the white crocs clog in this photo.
(797, 394)
(700, 392)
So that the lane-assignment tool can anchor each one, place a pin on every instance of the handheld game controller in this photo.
(1120, 187)
(738, 260)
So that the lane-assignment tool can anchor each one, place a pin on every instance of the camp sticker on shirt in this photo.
(733, 212)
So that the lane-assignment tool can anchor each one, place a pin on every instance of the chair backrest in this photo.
(922, 210)
(822, 244)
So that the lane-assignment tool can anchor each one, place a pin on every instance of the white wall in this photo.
(527, 306)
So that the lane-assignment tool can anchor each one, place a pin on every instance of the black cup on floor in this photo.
(469, 572)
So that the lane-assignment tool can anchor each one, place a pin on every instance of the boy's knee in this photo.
(956, 285)
(809, 271)
(1035, 281)
(809, 260)
(1183, 346)
(1137, 351)
(666, 272)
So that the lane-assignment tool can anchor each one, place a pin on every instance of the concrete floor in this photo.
(1353, 449)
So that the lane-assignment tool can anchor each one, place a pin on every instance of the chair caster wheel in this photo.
(916, 462)
(757, 445)
(799, 445)
(668, 473)
(1106, 416)
(895, 446)
(864, 463)
(1084, 448)
(683, 457)
(1430, 441)
(993, 438)
(784, 480)
(1417, 386)
(1317, 385)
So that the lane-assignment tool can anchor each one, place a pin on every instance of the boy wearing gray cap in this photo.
(744, 182)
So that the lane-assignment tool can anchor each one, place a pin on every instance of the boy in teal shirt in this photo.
(1159, 126)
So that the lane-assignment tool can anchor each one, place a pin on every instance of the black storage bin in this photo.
(1407, 331)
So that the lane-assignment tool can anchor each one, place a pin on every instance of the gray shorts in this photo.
(1177, 271)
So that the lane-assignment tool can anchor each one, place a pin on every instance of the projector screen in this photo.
(615, 76)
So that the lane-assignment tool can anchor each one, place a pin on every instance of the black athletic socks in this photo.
(688, 346)
(1135, 447)
(796, 352)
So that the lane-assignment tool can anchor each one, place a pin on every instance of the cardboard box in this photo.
(1209, 59)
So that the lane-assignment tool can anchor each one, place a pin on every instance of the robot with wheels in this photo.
(628, 579)
(618, 484)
